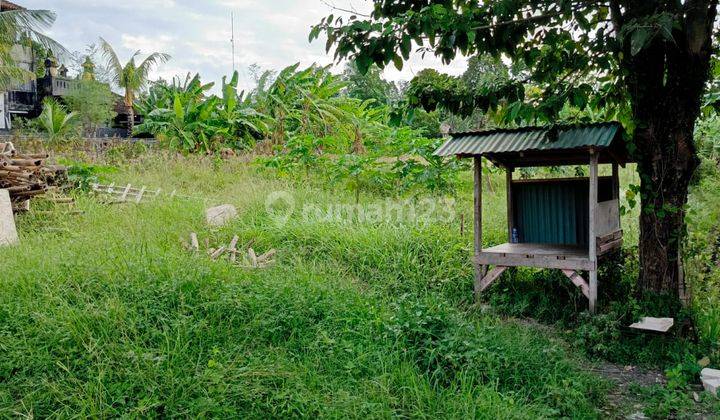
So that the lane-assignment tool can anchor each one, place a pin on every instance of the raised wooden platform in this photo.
(563, 257)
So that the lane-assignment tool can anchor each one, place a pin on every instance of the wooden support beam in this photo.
(493, 275)
(612, 236)
(609, 246)
(477, 223)
(578, 281)
(616, 187)
(537, 261)
(508, 188)
(592, 246)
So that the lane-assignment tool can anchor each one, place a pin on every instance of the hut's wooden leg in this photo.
(592, 237)
(593, 290)
(477, 225)
(479, 274)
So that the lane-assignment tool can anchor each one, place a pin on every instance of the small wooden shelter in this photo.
(566, 223)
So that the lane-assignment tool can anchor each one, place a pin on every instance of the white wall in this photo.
(4, 114)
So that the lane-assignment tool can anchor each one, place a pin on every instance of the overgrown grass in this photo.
(104, 314)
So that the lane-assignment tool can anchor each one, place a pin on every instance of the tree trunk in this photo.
(666, 81)
(666, 168)
(131, 121)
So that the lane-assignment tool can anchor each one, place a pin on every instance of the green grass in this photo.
(104, 314)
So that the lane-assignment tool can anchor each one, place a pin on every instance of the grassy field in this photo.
(105, 314)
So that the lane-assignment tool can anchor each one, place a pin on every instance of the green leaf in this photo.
(406, 46)
(639, 40)
(178, 108)
(398, 61)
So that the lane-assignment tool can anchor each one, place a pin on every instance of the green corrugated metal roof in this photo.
(525, 139)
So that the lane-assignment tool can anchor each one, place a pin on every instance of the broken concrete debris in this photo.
(220, 215)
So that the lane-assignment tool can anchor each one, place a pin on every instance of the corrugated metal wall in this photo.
(554, 212)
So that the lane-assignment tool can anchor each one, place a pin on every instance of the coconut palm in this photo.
(131, 77)
(22, 26)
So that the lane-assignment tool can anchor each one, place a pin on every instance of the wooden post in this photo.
(616, 187)
(508, 182)
(478, 225)
(592, 240)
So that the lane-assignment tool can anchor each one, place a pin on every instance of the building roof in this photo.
(8, 5)
(541, 145)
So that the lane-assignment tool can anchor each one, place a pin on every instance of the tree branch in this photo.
(340, 9)
(616, 15)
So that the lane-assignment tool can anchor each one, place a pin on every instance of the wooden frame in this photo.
(477, 222)
(569, 259)
(592, 233)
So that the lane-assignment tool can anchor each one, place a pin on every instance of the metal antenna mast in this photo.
(232, 38)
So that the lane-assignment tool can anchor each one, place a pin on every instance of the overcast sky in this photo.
(270, 33)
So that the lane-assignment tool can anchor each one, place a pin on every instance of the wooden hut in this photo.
(566, 223)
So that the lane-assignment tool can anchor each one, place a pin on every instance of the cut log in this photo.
(233, 248)
(266, 256)
(218, 253)
(253, 257)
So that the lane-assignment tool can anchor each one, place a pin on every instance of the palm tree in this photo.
(55, 120)
(131, 77)
(18, 26)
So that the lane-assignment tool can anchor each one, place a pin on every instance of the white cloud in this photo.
(147, 44)
(270, 33)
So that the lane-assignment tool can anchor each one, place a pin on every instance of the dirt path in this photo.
(621, 401)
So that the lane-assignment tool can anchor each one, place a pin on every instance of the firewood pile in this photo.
(243, 256)
(27, 175)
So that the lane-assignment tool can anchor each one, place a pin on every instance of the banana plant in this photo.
(190, 119)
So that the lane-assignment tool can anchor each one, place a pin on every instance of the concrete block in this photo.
(712, 386)
(8, 231)
(708, 373)
(218, 216)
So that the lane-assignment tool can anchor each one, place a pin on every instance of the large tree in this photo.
(652, 57)
(131, 77)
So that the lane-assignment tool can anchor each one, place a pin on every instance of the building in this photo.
(26, 100)
(552, 223)
(21, 100)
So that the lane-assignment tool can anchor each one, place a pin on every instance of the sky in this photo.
(269, 33)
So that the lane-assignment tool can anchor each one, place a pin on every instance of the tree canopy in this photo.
(644, 62)
(25, 27)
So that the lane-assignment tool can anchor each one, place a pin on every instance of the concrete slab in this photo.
(220, 215)
(8, 231)
(662, 325)
(712, 386)
(708, 373)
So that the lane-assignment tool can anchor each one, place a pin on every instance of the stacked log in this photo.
(27, 175)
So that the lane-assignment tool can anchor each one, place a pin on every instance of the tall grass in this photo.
(104, 314)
